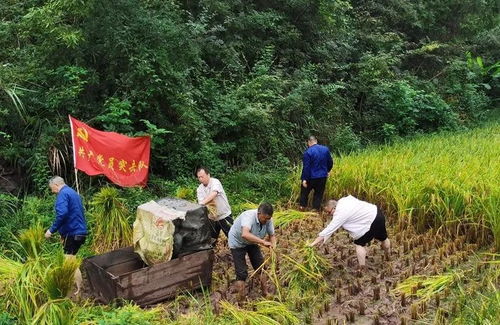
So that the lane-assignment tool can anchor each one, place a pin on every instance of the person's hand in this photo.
(317, 241)
(48, 234)
(159, 223)
(304, 183)
(267, 244)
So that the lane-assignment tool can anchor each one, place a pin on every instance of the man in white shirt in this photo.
(211, 193)
(364, 221)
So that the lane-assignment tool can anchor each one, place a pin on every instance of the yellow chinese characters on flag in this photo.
(124, 160)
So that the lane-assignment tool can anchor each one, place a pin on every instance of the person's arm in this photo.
(306, 169)
(318, 240)
(209, 198)
(329, 161)
(270, 232)
(338, 220)
(272, 239)
(248, 236)
(61, 213)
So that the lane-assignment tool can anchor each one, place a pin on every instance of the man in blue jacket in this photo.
(70, 219)
(70, 222)
(317, 163)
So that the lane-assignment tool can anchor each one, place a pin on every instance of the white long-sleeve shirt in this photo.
(353, 215)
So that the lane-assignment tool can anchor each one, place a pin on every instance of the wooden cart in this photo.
(122, 274)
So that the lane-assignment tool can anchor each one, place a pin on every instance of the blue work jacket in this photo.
(70, 219)
(317, 162)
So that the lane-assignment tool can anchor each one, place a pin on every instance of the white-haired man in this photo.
(364, 221)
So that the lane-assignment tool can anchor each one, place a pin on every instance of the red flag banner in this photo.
(124, 160)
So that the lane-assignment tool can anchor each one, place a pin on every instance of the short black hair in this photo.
(201, 168)
(266, 208)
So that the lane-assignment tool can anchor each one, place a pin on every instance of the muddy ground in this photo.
(352, 297)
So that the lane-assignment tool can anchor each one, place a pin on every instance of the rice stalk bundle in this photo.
(111, 224)
(307, 272)
(277, 311)
(247, 317)
(32, 240)
(9, 268)
(60, 277)
(284, 218)
(428, 286)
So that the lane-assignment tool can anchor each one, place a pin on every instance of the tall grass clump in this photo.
(447, 179)
(110, 217)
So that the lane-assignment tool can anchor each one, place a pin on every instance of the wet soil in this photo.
(353, 297)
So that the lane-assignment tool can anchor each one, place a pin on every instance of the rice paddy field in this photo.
(440, 193)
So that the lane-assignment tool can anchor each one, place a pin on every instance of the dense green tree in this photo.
(230, 83)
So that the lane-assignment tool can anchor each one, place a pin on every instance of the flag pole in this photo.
(76, 180)
(74, 154)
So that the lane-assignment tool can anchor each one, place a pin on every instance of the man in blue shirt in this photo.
(317, 163)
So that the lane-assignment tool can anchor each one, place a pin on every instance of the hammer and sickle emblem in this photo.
(83, 134)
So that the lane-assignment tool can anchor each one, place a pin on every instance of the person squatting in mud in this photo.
(245, 236)
(364, 221)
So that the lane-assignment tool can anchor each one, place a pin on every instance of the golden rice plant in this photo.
(60, 277)
(110, 219)
(55, 312)
(428, 286)
(448, 179)
(32, 240)
(243, 206)
(270, 268)
(26, 293)
(9, 270)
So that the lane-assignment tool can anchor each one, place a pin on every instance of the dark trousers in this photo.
(316, 184)
(224, 225)
(72, 243)
(240, 263)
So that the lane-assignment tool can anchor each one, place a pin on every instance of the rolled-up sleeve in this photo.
(270, 228)
(338, 219)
